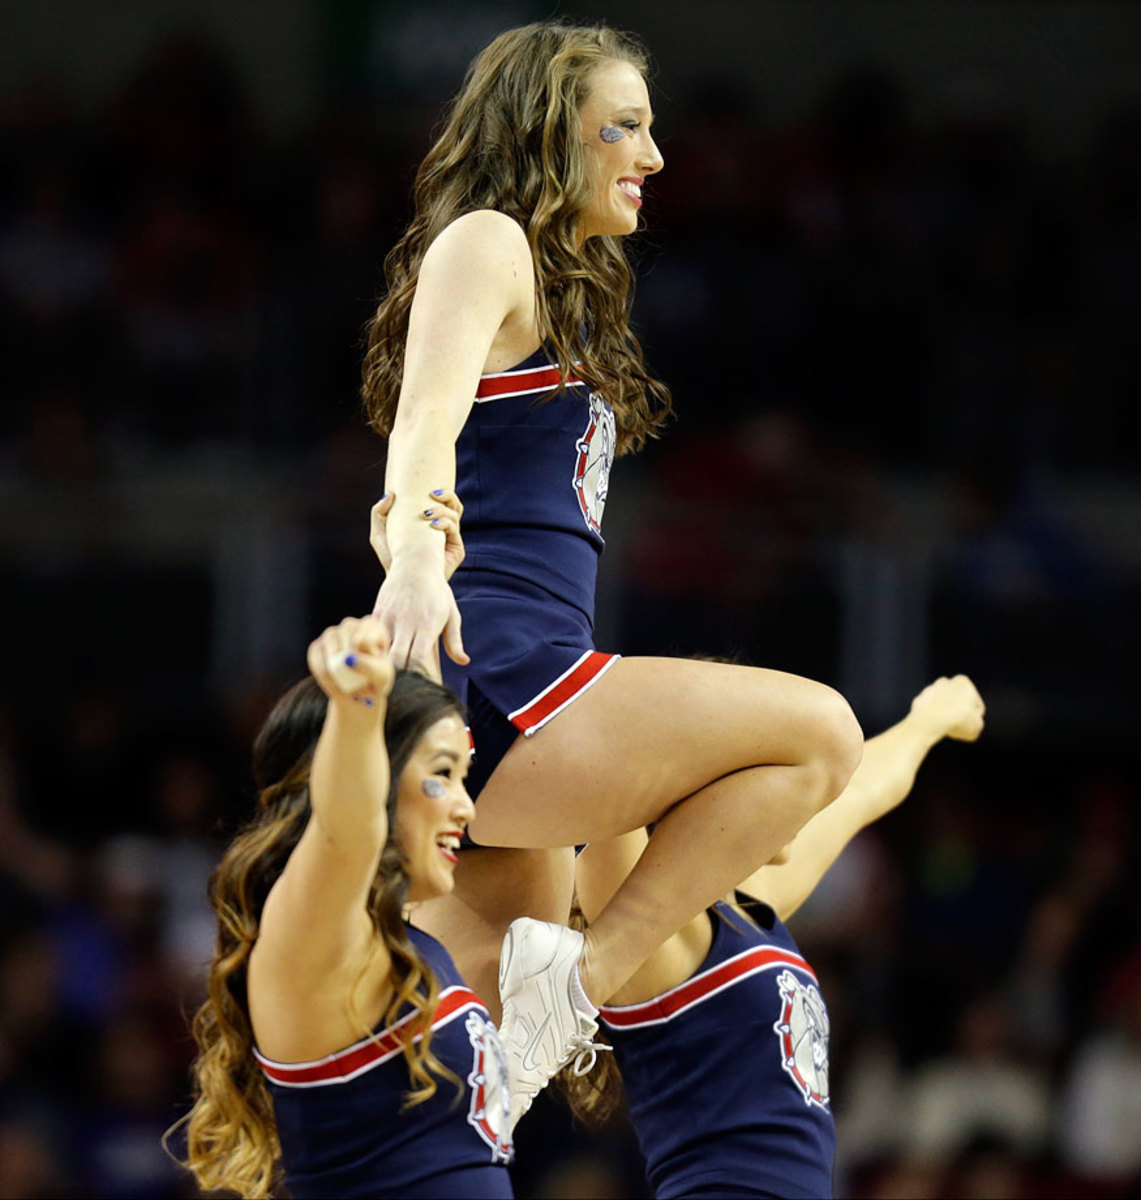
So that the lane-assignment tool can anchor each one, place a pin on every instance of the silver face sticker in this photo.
(433, 788)
(611, 133)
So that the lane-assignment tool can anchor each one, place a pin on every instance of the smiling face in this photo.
(616, 119)
(433, 808)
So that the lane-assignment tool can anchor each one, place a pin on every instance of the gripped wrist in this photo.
(416, 557)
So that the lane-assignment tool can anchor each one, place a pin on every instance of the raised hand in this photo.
(351, 662)
(950, 707)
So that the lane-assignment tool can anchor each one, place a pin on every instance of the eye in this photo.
(446, 772)
(632, 126)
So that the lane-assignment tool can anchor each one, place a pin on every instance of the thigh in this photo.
(649, 733)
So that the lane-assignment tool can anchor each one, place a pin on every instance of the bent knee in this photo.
(837, 747)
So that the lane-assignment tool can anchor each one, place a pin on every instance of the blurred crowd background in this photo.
(893, 273)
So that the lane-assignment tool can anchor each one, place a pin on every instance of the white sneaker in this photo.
(545, 1024)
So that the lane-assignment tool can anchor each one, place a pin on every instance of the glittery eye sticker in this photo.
(611, 133)
(433, 788)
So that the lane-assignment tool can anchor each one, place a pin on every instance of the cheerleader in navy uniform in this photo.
(340, 1051)
(722, 1036)
(501, 366)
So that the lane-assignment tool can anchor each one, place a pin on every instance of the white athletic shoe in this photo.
(545, 1024)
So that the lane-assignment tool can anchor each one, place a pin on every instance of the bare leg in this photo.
(714, 835)
(493, 887)
(731, 761)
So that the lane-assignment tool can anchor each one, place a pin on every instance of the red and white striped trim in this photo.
(501, 384)
(370, 1052)
(551, 701)
(701, 987)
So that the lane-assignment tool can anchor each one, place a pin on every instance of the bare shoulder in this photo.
(481, 240)
(480, 268)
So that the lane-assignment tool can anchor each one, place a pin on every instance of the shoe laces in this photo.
(584, 1053)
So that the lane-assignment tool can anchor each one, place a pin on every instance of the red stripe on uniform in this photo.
(513, 383)
(566, 688)
(702, 986)
(348, 1063)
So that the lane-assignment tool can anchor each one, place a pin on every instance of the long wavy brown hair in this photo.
(511, 141)
(231, 1138)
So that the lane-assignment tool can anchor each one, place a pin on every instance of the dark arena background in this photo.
(892, 271)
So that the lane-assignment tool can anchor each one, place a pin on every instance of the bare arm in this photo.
(475, 277)
(315, 932)
(946, 708)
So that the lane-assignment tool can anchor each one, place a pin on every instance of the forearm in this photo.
(886, 773)
(421, 460)
(349, 779)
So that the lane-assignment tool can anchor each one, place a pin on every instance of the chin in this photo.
(446, 887)
(431, 889)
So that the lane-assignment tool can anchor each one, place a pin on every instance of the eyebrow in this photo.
(441, 753)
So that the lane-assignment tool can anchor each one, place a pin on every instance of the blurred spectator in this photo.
(168, 869)
(986, 1091)
(118, 1137)
(1100, 1111)
(1037, 991)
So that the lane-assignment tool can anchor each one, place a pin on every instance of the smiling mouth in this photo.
(633, 190)
(449, 846)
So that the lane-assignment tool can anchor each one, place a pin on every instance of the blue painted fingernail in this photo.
(435, 522)
(438, 492)
(383, 498)
(428, 512)
(350, 660)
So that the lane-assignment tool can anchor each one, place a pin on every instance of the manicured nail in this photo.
(350, 660)
(435, 522)
(438, 492)
(429, 511)
(383, 498)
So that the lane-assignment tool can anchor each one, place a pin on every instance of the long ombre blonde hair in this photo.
(231, 1138)
(512, 142)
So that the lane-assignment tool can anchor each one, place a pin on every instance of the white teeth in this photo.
(450, 842)
(632, 188)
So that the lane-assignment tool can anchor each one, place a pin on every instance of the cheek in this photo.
(409, 830)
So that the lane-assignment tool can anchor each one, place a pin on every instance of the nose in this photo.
(464, 808)
(650, 160)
